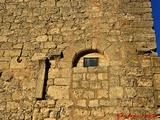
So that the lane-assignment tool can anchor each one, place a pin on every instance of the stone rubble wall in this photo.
(119, 30)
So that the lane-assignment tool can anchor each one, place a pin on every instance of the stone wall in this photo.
(42, 46)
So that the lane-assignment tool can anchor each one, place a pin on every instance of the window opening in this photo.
(90, 62)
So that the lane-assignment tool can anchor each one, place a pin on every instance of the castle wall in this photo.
(42, 47)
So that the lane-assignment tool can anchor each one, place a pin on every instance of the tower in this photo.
(77, 59)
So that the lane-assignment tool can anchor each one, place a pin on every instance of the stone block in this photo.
(102, 45)
(116, 70)
(113, 53)
(6, 45)
(4, 65)
(58, 92)
(80, 113)
(82, 103)
(145, 83)
(142, 24)
(114, 80)
(6, 76)
(18, 0)
(49, 119)
(12, 53)
(3, 39)
(1, 52)
(75, 84)
(147, 16)
(50, 82)
(98, 69)
(108, 103)
(41, 79)
(102, 94)
(38, 56)
(89, 94)
(156, 70)
(127, 103)
(18, 46)
(128, 81)
(49, 45)
(52, 73)
(95, 85)
(98, 113)
(156, 62)
(16, 95)
(91, 76)
(102, 76)
(79, 70)
(114, 32)
(144, 91)
(2, 1)
(42, 38)
(48, 3)
(62, 102)
(77, 93)
(105, 84)
(77, 77)
(54, 31)
(31, 46)
(157, 81)
(65, 64)
(84, 84)
(52, 10)
(65, 72)
(12, 105)
(16, 64)
(62, 81)
(140, 102)
(2, 106)
(116, 92)
(93, 103)
(78, 46)
(130, 92)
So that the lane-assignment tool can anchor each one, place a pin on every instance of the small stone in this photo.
(116, 92)
(102, 94)
(85, 84)
(102, 76)
(42, 38)
(77, 93)
(38, 56)
(3, 38)
(92, 76)
(105, 84)
(95, 85)
(66, 103)
(82, 103)
(4, 65)
(93, 103)
(17, 95)
(108, 103)
(58, 92)
(62, 81)
(77, 77)
(98, 113)
(88, 94)
(6, 76)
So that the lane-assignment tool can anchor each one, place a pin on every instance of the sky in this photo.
(156, 18)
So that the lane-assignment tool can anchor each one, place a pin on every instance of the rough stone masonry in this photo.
(43, 47)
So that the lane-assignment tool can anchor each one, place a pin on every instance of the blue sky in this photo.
(156, 18)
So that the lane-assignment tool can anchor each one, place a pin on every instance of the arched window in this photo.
(89, 58)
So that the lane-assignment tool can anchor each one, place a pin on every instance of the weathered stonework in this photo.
(43, 44)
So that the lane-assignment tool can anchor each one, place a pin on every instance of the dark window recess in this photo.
(89, 62)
